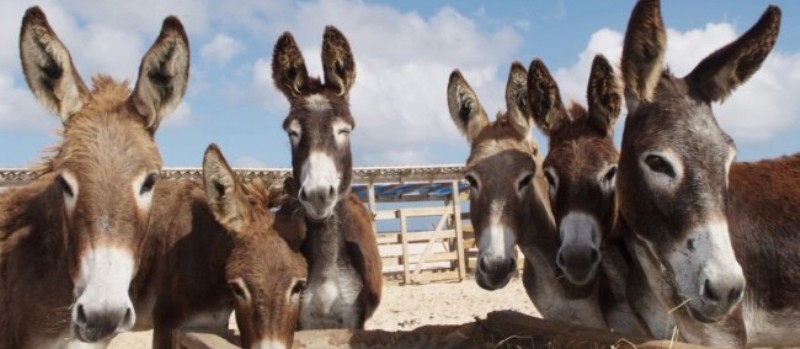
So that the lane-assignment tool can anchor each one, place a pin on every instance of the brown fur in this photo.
(525, 206)
(107, 147)
(674, 115)
(341, 247)
(202, 242)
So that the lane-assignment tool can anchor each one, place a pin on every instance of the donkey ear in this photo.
(604, 96)
(222, 191)
(337, 61)
(289, 71)
(546, 106)
(48, 67)
(163, 74)
(643, 52)
(465, 109)
(517, 104)
(727, 68)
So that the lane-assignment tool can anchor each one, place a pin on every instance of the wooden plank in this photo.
(385, 214)
(404, 240)
(204, 339)
(462, 268)
(388, 238)
(434, 257)
(421, 236)
(424, 211)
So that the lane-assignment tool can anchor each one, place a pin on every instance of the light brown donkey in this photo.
(213, 250)
(581, 167)
(344, 282)
(675, 205)
(72, 240)
(509, 203)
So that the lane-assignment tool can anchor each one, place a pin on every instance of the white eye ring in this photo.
(552, 181)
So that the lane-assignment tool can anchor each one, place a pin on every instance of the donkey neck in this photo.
(325, 242)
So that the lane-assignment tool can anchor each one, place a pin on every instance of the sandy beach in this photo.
(408, 307)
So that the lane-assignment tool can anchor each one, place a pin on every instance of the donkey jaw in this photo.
(103, 307)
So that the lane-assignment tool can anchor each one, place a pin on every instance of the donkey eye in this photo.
(660, 165)
(65, 186)
(293, 134)
(148, 184)
(344, 132)
(610, 174)
(238, 290)
(473, 182)
(525, 181)
(299, 287)
(550, 179)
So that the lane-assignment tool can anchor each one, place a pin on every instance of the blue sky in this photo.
(404, 53)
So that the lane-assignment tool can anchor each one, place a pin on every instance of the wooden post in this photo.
(373, 208)
(404, 241)
(462, 268)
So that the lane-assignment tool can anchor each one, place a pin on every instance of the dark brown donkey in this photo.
(213, 251)
(509, 202)
(581, 167)
(72, 240)
(344, 283)
(675, 206)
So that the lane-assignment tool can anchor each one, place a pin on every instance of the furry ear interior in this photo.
(222, 191)
(289, 71)
(603, 94)
(48, 67)
(517, 103)
(643, 52)
(163, 74)
(337, 61)
(721, 72)
(544, 97)
(465, 109)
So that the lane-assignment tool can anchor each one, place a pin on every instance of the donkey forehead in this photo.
(112, 145)
(318, 110)
(579, 156)
(501, 160)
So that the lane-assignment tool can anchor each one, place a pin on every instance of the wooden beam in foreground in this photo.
(501, 329)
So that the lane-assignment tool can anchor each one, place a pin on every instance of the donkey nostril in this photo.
(736, 294)
(303, 195)
(482, 264)
(711, 294)
(595, 256)
(332, 191)
(80, 319)
(512, 264)
(560, 260)
(128, 319)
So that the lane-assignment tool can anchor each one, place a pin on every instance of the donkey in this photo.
(72, 240)
(580, 167)
(509, 203)
(215, 251)
(344, 283)
(675, 205)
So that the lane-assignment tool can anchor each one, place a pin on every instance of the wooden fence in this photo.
(444, 252)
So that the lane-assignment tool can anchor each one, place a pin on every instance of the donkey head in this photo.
(507, 187)
(581, 164)
(107, 164)
(266, 276)
(675, 159)
(319, 121)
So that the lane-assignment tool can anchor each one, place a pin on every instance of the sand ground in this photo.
(408, 307)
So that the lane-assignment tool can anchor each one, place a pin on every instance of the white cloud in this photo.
(181, 117)
(221, 49)
(19, 110)
(399, 99)
(248, 161)
(755, 113)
